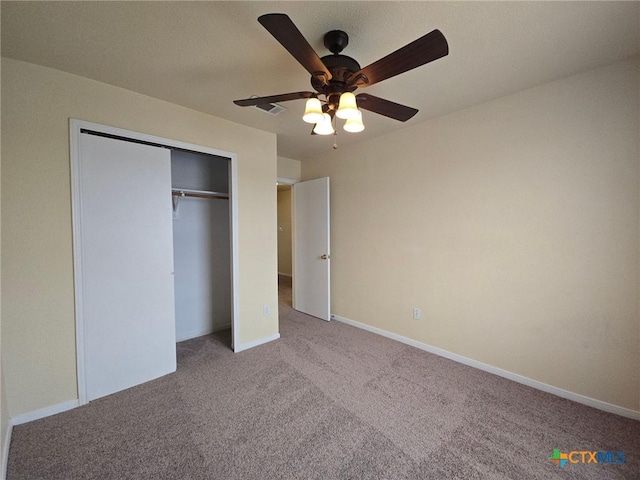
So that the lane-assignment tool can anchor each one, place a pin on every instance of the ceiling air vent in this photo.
(270, 108)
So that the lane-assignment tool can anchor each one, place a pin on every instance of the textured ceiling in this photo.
(203, 55)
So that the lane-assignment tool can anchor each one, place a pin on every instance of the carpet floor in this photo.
(326, 401)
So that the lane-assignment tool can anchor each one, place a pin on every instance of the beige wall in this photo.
(513, 225)
(284, 232)
(38, 326)
(289, 168)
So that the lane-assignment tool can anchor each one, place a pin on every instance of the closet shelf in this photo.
(186, 192)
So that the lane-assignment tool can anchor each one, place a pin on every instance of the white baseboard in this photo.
(5, 449)
(246, 346)
(44, 412)
(200, 333)
(576, 397)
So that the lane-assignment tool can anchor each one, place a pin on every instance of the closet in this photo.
(152, 228)
(201, 243)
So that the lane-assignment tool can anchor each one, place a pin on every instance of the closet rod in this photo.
(183, 192)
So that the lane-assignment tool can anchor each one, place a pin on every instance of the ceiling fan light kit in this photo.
(335, 77)
(313, 111)
(347, 109)
(354, 125)
(324, 127)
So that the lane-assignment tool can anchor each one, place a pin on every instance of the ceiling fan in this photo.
(335, 77)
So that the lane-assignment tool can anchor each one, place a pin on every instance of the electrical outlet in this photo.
(266, 310)
(417, 313)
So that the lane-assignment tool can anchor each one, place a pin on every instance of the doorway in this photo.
(304, 241)
(201, 243)
(285, 240)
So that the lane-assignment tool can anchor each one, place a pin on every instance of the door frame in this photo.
(75, 127)
(295, 246)
(286, 181)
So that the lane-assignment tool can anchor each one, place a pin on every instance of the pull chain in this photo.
(335, 134)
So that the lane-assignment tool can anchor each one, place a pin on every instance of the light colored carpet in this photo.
(326, 401)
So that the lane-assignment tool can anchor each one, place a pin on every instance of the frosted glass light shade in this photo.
(324, 127)
(313, 111)
(348, 107)
(354, 125)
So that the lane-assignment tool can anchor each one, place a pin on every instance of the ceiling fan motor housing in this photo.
(340, 66)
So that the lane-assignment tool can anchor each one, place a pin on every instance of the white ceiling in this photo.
(204, 55)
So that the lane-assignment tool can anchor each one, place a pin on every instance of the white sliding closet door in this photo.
(127, 257)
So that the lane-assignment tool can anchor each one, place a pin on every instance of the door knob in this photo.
(325, 257)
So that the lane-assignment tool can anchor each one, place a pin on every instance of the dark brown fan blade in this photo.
(423, 50)
(283, 29)
(385, 107)
(285, 97)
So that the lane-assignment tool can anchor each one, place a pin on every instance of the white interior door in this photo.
(127, 263)
(311, 253)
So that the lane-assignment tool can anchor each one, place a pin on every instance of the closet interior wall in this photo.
(201, 244)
